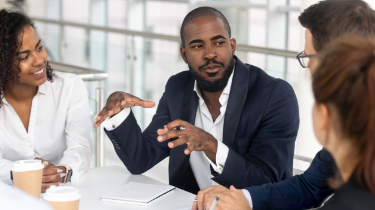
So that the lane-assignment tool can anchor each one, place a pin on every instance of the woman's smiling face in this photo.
(31, 59)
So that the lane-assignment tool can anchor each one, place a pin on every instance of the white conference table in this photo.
(98, 181)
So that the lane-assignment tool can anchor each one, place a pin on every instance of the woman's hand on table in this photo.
(52, 175)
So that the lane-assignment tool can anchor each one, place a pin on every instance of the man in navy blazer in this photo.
(258, 115)
(324, 22)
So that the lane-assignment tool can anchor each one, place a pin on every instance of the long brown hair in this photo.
(345, 80)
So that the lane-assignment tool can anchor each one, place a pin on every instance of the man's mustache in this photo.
(208, 63)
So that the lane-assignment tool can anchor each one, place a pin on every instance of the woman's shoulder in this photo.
(351, 196)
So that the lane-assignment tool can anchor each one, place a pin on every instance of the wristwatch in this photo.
(69, 174)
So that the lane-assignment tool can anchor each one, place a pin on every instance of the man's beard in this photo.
(216, 85)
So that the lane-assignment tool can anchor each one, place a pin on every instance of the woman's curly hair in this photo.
(11, 31)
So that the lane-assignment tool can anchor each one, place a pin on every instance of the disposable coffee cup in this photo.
(63, 198)
(27, 176)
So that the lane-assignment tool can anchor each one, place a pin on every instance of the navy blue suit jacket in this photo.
(303, 191)
(260, 128)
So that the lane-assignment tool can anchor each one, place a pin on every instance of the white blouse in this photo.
(59, 128)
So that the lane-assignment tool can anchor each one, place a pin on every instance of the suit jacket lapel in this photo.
(188, 112)
(179, 167)
(236, 102)
(189, 103)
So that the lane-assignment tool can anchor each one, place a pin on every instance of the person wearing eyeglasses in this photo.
(304, 59)
(324, 22)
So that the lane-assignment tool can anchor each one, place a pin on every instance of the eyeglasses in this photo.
(304, 59)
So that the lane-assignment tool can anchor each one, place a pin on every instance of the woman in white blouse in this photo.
(43, 115)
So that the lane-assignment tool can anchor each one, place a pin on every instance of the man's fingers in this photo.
(190, 148)
(200, 199)
(176, 123)
(208, 201)
(170, 134)
(161, 131)
(98, 123)
(180, 141)
(131, 101)
(195, 206)
(113, 106)
(139, 102)
(116, 102)
(101, 116)
(201, 196)
(145, 104)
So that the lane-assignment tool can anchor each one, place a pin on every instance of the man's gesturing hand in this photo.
(233, 199)
(117, 101)
(195, 138)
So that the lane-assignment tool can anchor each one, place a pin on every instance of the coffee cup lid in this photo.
(27, 165)
(62, 194)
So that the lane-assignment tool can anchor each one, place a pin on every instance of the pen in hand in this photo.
(214, 204)
(179, 128)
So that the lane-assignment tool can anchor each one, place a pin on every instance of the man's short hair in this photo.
(201, 12)
(330, 19)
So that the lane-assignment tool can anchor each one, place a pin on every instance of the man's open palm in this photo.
(117, 101)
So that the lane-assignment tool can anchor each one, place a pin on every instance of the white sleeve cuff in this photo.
(221, 157)
(66, 166)
(248, 197)
(112, 123)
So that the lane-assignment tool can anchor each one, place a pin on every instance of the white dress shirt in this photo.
(13, 198)
(248, 197)
(199, 162)
(59, 128)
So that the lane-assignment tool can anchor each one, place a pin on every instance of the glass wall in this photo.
(142, 66)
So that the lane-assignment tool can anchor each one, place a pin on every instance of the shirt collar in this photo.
(42, 89)
(226, 89)
(5, 101)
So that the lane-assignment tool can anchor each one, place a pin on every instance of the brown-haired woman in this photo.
(344, 119)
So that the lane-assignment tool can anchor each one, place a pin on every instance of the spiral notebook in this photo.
(134, 193)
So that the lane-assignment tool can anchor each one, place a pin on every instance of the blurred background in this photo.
(134, 47)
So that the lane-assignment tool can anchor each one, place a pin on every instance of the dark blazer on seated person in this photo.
(260, 129)
(304, 191)
(351, 196)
